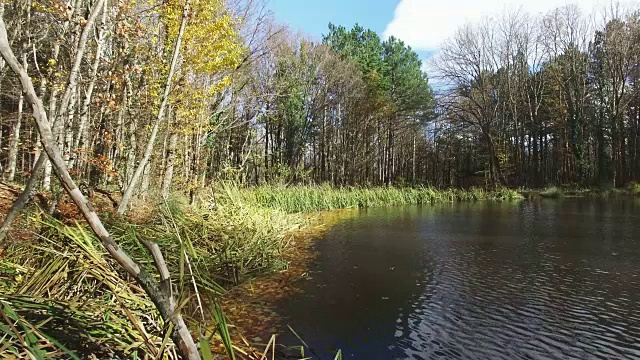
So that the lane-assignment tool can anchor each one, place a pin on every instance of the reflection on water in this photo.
(550, 279)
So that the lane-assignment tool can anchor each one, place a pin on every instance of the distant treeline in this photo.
(515, 100)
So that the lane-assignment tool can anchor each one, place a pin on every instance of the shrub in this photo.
(552, 192)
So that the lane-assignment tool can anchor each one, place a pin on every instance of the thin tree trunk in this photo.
(84, 112)
(14, 139)
(68, 136)
(72, 82)
(171, 156)
(126, 197)
(53, 99)
(22, 199)
(131, 155)
(160, 297)
(146, 178)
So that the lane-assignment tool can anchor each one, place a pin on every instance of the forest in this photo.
(145, 101)
(519, 101)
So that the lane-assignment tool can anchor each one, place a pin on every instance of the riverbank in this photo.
(64, 297)
(632, 189)
(239, 247)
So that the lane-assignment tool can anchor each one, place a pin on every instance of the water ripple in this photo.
(547, 280)
(497, 316)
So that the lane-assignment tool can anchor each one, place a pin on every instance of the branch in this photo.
(181, 336)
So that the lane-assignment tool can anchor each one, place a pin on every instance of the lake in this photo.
(545, 279)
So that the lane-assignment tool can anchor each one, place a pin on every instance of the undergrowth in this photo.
(62, 296)
(634, 189)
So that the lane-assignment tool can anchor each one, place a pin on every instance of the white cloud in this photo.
(425, 24)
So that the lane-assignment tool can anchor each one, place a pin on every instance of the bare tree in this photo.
(160, 293)
(128, 192)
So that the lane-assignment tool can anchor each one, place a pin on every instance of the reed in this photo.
(303, 199)
(62, 297)
(634, 189)
(552, 192)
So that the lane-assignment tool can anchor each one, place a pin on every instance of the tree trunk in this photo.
(162, 299)
(14, 139)
(84, 111)
(126, 197)
(72, 82)
(171, 156)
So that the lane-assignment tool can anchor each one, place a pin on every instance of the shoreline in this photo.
(257, 296)
(257, 241)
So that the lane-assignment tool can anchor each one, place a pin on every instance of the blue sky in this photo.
(422, 24)
(312, 16)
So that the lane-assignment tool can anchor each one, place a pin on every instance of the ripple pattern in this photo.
(548, 280)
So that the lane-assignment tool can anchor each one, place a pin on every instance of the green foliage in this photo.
(407, 84)
(297, 199)
(223, 330)
(552, 192)
(506, 194)
(634, 188)
(390, 66)
(358, 44)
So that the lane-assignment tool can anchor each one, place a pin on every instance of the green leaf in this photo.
(205, 349)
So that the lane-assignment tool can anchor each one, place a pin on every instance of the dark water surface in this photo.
(550, 279)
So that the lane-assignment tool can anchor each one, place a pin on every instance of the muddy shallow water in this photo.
(549, 279)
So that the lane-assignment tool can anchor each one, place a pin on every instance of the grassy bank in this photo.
(321, 198)
(62, 296)
(553, 192)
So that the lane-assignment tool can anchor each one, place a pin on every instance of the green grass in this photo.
(301, 199)
(552, 192)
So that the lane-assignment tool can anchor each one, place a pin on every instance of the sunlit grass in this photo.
(66, 297)
(552, 192)
(301, 199)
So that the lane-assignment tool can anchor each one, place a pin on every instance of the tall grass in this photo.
(301, 199)
(552, 192)
(62, 296)
(66, 299)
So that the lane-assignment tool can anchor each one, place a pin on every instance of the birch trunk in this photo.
(53, 99)
(171, 156)
(84, 110)
(126, 197)
(14, 139)
(71, 84)
(146, 179)
(42, 160)
(160, 297)
(68, 135)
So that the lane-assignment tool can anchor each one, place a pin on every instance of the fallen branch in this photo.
(161, 299)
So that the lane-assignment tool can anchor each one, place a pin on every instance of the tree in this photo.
(160, 293)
